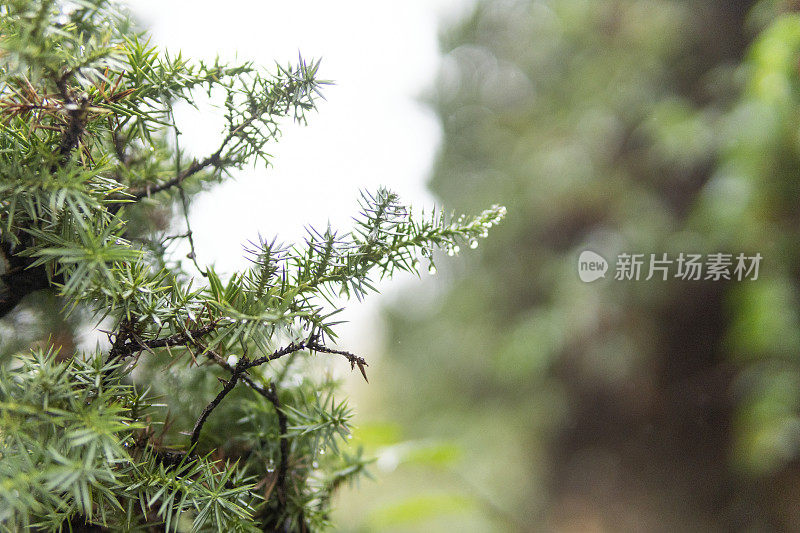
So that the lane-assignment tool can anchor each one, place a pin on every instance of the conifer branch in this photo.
(85, 121)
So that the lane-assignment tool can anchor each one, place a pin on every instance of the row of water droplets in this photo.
(452, 249)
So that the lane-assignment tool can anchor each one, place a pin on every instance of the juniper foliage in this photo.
(202, 414)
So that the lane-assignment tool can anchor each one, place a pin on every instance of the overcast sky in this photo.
(371, 130)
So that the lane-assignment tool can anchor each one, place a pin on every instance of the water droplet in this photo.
(322, 451)
(315, 464)
(451, 252)
(456, 249)
(432, 269)
(473, 243)
(349, 437)
(232, 360)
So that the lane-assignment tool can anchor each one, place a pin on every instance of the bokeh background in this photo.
(506, 394)
(652, 126)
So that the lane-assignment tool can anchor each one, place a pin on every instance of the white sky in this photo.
(370, 130)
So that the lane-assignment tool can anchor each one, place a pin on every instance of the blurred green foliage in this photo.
(614, 126)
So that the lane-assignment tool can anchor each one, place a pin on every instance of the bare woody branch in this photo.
(214, 160)
(139, 345)
(191, 170)
(355, 361)
(238, 372)
(229, 385)
(271, 394)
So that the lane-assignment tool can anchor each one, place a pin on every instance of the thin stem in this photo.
(229, 385)
(184, 203)
(214, 159)
(122, 350)
(355, 360)
(271, 394)
(277, 354)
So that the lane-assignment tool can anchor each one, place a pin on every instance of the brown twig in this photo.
(277, 354)
(239, 372)
(228, 387)
(196, 166)
(236, 372)
(125, 349)
(271, 394)
(355, 360)
(191, 170)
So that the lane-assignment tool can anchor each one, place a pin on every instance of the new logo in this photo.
(591, 266)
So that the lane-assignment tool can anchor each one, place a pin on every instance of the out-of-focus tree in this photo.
(615, 126)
